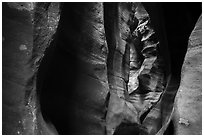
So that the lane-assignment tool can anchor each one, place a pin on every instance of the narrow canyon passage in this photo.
(60, 74)
(111, 68)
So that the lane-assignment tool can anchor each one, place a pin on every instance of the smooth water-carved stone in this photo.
(189, 98)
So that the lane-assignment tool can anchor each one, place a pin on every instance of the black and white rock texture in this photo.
(22, 51)
(188, 111)
(92, 68)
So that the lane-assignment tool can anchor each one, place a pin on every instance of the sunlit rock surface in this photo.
(188, 111)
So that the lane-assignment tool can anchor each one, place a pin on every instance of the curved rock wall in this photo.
(94, 68)
(188, 113)
(23, 48)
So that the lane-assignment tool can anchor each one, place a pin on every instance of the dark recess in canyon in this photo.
(65, 82)
(179, 20)
(61, 74)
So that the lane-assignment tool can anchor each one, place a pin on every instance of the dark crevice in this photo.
(142, 117)
(110, 12)
(170, 129)
(130, 129)
(179, 24)
(58, 71)
(57, 78)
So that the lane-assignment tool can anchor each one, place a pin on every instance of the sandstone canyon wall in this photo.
(97, 68)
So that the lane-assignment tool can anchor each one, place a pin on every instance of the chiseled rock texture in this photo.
(86, 68)
(85, 72)
(188, 111)
(135, 67)
(22, 53)
(84, 83)
(77, 100)
(16, 52)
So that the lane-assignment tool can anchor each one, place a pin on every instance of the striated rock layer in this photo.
(88, 68)
(135, 73)
(102, 69)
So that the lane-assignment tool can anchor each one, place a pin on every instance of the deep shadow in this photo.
(180, 19)
(56, 82)
(130, 129)
(58, 72)
(61, 99)
(57, 75)
(170, 129)
(174, 23)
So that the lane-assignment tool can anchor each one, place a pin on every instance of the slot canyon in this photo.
(102, 68)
